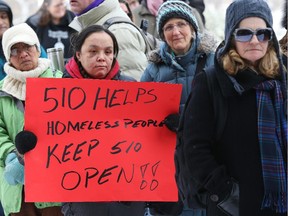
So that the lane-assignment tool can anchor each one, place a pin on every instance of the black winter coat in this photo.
(236, 154)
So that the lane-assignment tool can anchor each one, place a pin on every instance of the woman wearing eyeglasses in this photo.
(242, 170)
(21, 49)
(183, 48)
(184, 53)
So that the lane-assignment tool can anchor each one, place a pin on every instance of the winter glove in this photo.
(25, 141)
(172, 122)
(230, 205)
(14, 171)
(165, 208)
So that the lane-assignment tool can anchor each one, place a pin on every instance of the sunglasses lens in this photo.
(243, 35)
(264, 35)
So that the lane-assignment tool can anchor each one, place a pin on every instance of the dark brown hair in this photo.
(78, 39)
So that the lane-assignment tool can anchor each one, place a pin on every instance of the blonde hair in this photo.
(268, 65)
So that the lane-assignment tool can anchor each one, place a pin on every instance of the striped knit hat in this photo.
(174, 9)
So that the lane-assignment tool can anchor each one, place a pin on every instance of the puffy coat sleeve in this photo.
(11, 122)
(131, 57)
(148, 75)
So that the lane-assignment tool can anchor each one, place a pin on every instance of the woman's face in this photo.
(24, 57)
(252, 50)
(57, 8)
(178, 35)
(96, 54)
(4, 22)
(77, 6)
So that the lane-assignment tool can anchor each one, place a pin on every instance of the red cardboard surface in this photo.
(100, 140)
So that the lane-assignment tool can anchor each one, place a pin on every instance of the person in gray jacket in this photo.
(132, 57)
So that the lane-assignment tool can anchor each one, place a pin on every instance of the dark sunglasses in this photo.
(245, 34)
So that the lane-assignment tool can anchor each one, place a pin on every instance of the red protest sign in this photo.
(100, 140)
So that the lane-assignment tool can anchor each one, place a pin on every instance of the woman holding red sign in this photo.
(95, 52)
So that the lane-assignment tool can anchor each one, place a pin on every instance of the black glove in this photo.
(172, 122)
(230, 205)
(166, 208)
(25, 141)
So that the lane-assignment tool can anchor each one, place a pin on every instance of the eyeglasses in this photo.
(245, 34)
(17, 50)
(180, 26)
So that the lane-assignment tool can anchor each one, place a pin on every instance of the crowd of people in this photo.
(232, 111)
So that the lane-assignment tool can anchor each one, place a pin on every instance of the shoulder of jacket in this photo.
(207, 42)
(48, 73)
(33, 20)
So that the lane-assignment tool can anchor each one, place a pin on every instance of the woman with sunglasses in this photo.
(243, 170)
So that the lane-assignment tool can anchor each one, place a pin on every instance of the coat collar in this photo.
(98, 15)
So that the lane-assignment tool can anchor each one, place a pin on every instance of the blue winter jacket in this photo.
(164, 67)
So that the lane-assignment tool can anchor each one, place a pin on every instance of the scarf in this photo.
(272, 134)
(15, 81)
(73, 69)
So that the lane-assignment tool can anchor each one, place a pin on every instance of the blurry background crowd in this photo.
(214, 13)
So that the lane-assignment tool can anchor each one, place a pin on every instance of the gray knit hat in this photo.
(174, 9)
(241, 9)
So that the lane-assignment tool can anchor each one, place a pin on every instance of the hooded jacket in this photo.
(235, 156)
(131, 57)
